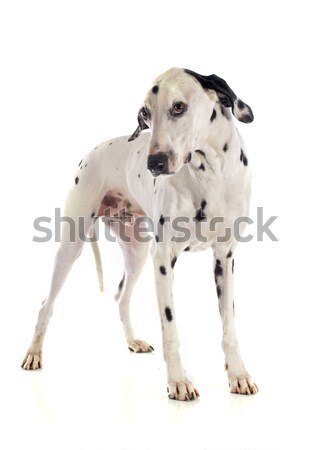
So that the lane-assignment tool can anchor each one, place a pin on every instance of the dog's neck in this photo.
(220, 129)
(219, 147)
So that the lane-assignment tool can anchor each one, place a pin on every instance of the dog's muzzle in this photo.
(158, 164)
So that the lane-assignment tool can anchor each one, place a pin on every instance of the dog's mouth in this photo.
(157, 174)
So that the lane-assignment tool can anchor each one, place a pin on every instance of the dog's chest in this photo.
(204, 208)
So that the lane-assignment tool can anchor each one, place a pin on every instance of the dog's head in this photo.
(178, 109)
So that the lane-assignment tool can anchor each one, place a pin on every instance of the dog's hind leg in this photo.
(66, 255)
(77, 221)
(135, 253)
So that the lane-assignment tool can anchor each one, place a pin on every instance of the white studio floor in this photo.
(94, 394)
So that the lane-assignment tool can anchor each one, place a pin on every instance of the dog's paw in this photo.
(138, 346)
(32, 361)
(243, 385)
(182, 391)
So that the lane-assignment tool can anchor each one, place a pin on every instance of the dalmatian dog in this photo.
(189, 173)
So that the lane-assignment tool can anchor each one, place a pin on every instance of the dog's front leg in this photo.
(179, 387)
(240, 381)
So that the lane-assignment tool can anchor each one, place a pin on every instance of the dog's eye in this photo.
(178, 108)
(144, 114)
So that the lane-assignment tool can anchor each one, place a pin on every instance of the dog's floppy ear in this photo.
(227, 97)
(142, 126)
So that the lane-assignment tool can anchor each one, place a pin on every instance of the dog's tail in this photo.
(98, 262)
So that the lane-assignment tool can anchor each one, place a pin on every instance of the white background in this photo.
(74, 74)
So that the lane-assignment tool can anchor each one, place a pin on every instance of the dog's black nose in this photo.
(158, 164)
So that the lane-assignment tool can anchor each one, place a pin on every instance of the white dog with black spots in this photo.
(191, 168)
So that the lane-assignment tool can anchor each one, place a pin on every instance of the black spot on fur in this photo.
(93, 214)
(188, 158)
(162, 220)
(80, 163)
(229, 255)
(173, 261)
(139, 175)
(200, 152)
(200, 215)
(120, 286)
(202, 167)
(219, 291)
(218, 272)
(233, 266)
(155, 89)
(187, 249)
(168, 314)
(213, 115)
(163, 270)
(77, 180)
(243, 158)
(156, 238)
(110, 143)
(154, 181)
(240, 104)
(225, 147)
